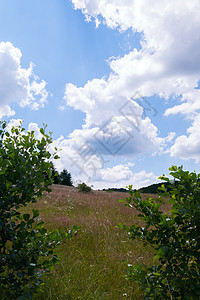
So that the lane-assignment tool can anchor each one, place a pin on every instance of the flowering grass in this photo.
(91, 264)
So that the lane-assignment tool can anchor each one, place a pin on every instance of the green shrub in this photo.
(27, 250)
(84, 188)
(174, 236)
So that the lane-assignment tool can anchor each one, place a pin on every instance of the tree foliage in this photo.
(65, 178)
(174, 237)
(84, 188)
(153, 188)
(27, 250)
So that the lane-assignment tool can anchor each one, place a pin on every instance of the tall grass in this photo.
(91, 265)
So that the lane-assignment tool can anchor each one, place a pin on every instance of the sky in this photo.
(116, 81)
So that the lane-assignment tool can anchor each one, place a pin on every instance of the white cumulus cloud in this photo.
(90, 167)
(188, 146)
(168, 65)
(121, 176)
(17, 84)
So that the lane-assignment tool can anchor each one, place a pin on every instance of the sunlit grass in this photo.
(91, 264)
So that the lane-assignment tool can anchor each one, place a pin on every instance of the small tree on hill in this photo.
(83, 187)
(65, 178)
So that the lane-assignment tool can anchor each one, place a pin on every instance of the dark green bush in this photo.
(84, 188)
(27, 250)
(174, 236)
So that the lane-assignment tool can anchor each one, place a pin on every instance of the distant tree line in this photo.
(153, 188)
(121, 190)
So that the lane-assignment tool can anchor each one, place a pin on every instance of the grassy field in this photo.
(91, 264)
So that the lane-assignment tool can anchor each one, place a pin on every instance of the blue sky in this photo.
(114, 80)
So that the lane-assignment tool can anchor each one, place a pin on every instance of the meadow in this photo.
(92, 263)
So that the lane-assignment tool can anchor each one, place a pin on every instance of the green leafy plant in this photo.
(27, 249)
(174, 237)
(84, 188)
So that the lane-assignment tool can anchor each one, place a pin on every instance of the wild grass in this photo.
(91, 264)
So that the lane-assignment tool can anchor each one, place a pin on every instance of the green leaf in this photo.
(121, 225)
(42, 131)
(26, 217)
(40, 147)
(35, 213)
(121, 201)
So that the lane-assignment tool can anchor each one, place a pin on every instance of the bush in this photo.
(174, 237)
(83, 187)
(27, 250)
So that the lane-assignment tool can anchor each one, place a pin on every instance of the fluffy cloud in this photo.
(121, 176)
(169, 46)
(13, 123)
(188, 146)
(31, 127)
(114, 123)
(189, 104)
(17, 84)
(120, 136)
(117, 173)
(89, 166)
(167, 65)
(159, 21)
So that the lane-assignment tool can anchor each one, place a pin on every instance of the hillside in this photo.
(91, 265)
